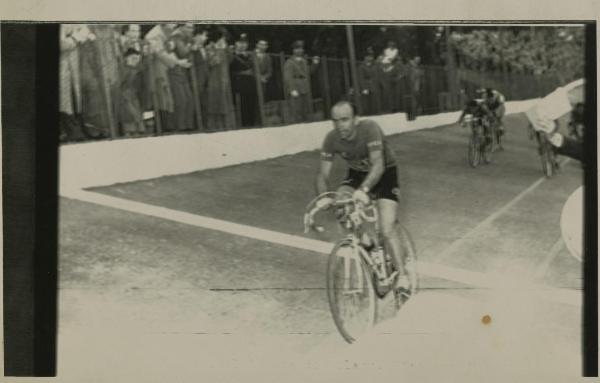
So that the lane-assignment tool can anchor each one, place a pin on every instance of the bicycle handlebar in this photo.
(359, 210)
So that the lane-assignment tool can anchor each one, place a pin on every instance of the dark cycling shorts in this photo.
(386, 188)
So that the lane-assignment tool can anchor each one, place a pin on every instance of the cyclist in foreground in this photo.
(371, 170)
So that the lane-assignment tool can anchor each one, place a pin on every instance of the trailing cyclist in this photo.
(494, 101)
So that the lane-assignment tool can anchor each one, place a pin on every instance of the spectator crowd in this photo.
(116, 81)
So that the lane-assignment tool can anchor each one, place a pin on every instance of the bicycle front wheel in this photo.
(474, 153)
(350, 292)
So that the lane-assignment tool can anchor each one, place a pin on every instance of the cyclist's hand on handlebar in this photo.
(324, 203)
(361, 196)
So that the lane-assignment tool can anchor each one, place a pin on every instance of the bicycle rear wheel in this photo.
(486, 149)
(350, 292)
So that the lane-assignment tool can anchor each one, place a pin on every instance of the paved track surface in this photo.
(144, 298)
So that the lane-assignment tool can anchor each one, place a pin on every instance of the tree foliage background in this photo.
(528, 50)
(556, 51)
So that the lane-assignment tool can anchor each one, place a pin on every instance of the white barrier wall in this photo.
(125, 160)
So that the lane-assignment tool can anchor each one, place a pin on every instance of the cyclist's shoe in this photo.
(413, 277)
(402, 282)
(402, 290)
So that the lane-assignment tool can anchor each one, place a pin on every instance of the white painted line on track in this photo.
(554, 251)
(481, 226)
(473, 278)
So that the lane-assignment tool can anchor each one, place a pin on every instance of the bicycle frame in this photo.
(359, 273)
(355, 216)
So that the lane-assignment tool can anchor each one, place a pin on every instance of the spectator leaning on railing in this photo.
(179, 78)
(220, 111)
(100, 78)
(70, 93)
(162, 59)
(130, 107)
(388, 69)
(243, 82)
(367, 78)
(416, 74)
(296, 73)
(264, 63)
(131, 38)
(201, 68)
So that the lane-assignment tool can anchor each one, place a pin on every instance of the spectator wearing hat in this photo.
(201, 68)
(244, 83)
(180, 79)
(296, 74)
(367, 78)
(72, 37)
(416, 74)
(131, 38)
(388, 70)
(163, 58)
(264, 63)
(130, 107)
(220, 111)
(100, 63)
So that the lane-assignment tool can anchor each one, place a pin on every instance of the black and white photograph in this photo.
(305, 200)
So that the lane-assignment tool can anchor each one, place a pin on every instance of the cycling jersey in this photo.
(496, 101)
(476, 108)
(368, 137)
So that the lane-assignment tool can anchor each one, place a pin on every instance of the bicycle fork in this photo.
(353, 257)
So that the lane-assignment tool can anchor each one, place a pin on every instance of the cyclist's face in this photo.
(343, 120)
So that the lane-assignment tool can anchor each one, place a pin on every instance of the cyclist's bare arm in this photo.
(376, 171)
(323, 176)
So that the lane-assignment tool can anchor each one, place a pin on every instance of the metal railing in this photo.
(418, 91)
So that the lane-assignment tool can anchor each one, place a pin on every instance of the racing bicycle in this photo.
(360, 271)
(481, 141)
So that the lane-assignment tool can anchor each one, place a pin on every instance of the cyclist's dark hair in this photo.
(347, 102)
(489, 91)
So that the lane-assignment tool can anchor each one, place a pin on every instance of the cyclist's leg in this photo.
(540, 141)
(500, 112)
(388, 219)
(348, 186)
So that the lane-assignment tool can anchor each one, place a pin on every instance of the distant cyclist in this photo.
(494, 101)
(372, 169)
(476, 108)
